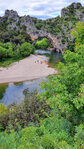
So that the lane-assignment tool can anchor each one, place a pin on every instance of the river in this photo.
(13, 93)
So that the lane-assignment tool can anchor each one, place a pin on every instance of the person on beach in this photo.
(37, 61)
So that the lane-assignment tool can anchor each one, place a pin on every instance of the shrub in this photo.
(4, 116)
(42, 44)
(6, 50)
(26, 49)
(28, 111)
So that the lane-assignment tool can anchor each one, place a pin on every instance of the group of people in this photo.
(38, 61)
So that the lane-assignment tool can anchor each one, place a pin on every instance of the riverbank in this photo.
(32, 67)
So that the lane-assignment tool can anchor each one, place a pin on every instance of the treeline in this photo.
(54, 118)
(10, 51)
(14, 45)
(11, 43)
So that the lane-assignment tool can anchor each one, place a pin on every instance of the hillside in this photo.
(19, 29)
(54, 117)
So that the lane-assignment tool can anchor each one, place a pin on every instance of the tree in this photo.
(78, 33)
(64, 93)
(26, 49)
(6, 50)
(42, 44)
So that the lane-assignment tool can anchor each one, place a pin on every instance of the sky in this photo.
(42, 9)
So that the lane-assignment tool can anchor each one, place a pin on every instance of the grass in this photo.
(7, 62)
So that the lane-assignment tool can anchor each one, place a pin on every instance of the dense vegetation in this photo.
(57, 113)
(10, 52)
(43, 44)
(13, 43)
(17, 30)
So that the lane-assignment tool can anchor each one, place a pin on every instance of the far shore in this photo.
(30, 68)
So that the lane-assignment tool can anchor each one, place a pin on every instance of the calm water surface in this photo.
(14, 92)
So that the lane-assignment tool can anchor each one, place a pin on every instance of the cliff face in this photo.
(11, 14)
(58, 29)
(75, 9)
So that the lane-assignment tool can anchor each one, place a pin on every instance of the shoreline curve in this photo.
(29, 68)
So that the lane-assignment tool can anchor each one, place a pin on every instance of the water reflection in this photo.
(2, 90)
(14, 92)
(43, 52)
(55, 57)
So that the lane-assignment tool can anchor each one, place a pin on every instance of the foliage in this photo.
(42, 44)
(26, 49)
(64, 92)
(79, 136)
(78, 33)
(4, 112)
(62, 124)
(8, 61)
(6, 50)
(27, 112)
(14, 37)
(54, 133)
(11, 52)
(3, 109)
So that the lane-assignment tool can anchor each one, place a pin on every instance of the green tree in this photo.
(78, 33)
(63, 124)
(6, 50)
(42, 44)
(62, 92)
(26, 49)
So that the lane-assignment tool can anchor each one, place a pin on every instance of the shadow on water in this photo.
(55, 58)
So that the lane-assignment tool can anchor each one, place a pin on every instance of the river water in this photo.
(13, 93)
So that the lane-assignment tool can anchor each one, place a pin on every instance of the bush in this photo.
(28, 111)
(4, 116)
(26, 49)
(42, 44)
(6, 50)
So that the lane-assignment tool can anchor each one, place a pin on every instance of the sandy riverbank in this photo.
(26, 69)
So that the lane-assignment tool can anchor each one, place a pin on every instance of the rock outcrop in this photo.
(75, 9)
(57, 30)
(11, 14)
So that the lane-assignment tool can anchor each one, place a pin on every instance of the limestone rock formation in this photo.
(75, 9)
(11, 14)
(56, 29)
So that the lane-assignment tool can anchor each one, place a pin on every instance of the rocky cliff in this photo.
(56, 29)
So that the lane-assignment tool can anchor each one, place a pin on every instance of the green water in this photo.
(13, 93)
(55, 58)
(3, 88)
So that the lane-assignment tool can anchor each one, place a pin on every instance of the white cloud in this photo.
(38, 8)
